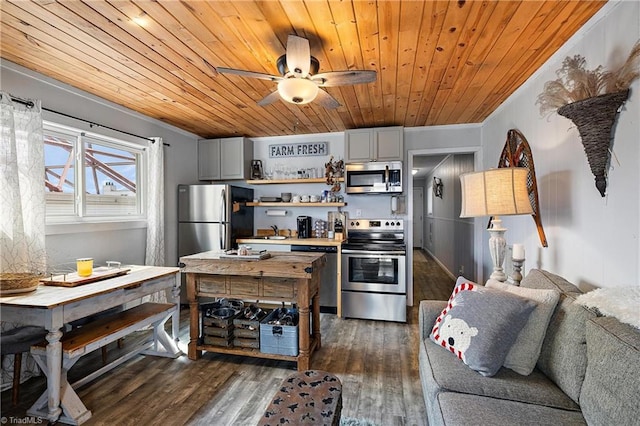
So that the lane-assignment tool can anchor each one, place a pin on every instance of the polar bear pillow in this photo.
(479, 325)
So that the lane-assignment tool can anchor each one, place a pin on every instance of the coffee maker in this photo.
(304, 227)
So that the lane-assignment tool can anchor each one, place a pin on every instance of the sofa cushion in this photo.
(441, 372)
(480, 324)
(610, 391)
(563, 356)
(524, 353)
(464, 410)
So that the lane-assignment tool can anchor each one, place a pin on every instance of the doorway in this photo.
(415, 157)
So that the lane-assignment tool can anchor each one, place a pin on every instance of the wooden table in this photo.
(51, 307)
(289, 277)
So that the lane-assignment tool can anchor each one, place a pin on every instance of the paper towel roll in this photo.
(276, 212)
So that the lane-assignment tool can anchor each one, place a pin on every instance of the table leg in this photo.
(304, 340)
(315, 319)
(71, 409)
(175, 318)
(54, 371)
(304, 331)
(194, 318)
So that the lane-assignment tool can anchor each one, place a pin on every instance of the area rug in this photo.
(350, 421)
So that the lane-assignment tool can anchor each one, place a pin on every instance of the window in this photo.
(91, 177)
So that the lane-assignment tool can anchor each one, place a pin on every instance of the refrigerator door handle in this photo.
(223, 206)
(223, 216)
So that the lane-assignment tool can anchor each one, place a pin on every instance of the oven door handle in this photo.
(374, 253)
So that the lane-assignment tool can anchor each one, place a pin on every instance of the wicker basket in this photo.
(18, 282)
(595, 118)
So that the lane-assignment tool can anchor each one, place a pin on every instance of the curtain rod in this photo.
(30, 104)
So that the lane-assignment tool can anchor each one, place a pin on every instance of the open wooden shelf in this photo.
(282, 204)
(274, 181)
(252, 352)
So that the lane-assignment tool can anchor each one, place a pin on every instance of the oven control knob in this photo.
(397, 223)
(386, 224)
(357, 223)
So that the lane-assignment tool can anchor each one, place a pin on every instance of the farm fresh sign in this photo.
(308, 149)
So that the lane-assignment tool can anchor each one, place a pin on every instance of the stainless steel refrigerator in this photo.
(212, 217)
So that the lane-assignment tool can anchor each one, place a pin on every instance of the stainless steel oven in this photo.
(374, 284)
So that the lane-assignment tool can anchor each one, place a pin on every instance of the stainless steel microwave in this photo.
(373, 178)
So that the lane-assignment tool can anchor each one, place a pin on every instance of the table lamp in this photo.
(495, 192)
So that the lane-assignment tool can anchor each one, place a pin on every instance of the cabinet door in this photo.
(358, 145)
(235, 158)
(389, 143)
(209, 159)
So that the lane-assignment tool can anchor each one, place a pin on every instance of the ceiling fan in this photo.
(299, 82)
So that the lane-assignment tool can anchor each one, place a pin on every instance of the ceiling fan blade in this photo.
(344, 78)
(269, 99)
(298, 56)
(326, 100)
(251, 74)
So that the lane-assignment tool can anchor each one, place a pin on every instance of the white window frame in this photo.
(69, 223)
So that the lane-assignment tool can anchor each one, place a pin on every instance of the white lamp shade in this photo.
(297, 90)
(495, 192)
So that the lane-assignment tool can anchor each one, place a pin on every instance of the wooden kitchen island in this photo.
(286, 277)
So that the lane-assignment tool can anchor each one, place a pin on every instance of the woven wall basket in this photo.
(595, 118)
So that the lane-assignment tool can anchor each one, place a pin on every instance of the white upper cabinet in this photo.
(224, 159)
(209, 159)
(389, 143)
(377, 144)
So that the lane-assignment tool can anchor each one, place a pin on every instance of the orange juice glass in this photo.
(85, 266)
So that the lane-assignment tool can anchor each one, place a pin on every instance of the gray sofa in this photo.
(588, 372)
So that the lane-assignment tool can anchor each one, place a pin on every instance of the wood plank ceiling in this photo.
(438, 62)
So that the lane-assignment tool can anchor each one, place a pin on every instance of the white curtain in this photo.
(22, 187)
(155, 205)
(155, 212)
(22, 215)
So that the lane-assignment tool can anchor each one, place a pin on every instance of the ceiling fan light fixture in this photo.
(297, 90)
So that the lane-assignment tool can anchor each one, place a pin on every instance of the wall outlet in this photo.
(358, 213)
(461, 270)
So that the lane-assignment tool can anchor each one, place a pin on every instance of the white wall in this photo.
(593, 241)
(100, 241)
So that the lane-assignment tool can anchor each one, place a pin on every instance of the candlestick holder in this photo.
(516, 275)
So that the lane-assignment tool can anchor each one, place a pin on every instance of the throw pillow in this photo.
(524, 353)
(479, 325)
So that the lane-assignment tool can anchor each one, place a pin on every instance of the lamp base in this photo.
(497, 248)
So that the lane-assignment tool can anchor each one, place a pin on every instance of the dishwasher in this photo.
(328, 276)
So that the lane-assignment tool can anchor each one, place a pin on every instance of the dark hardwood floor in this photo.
(376, 361)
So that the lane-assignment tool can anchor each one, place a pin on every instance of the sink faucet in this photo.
(275, 230)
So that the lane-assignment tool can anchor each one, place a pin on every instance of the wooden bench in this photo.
(94, 335)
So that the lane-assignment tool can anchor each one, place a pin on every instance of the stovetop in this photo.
(375, 235)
